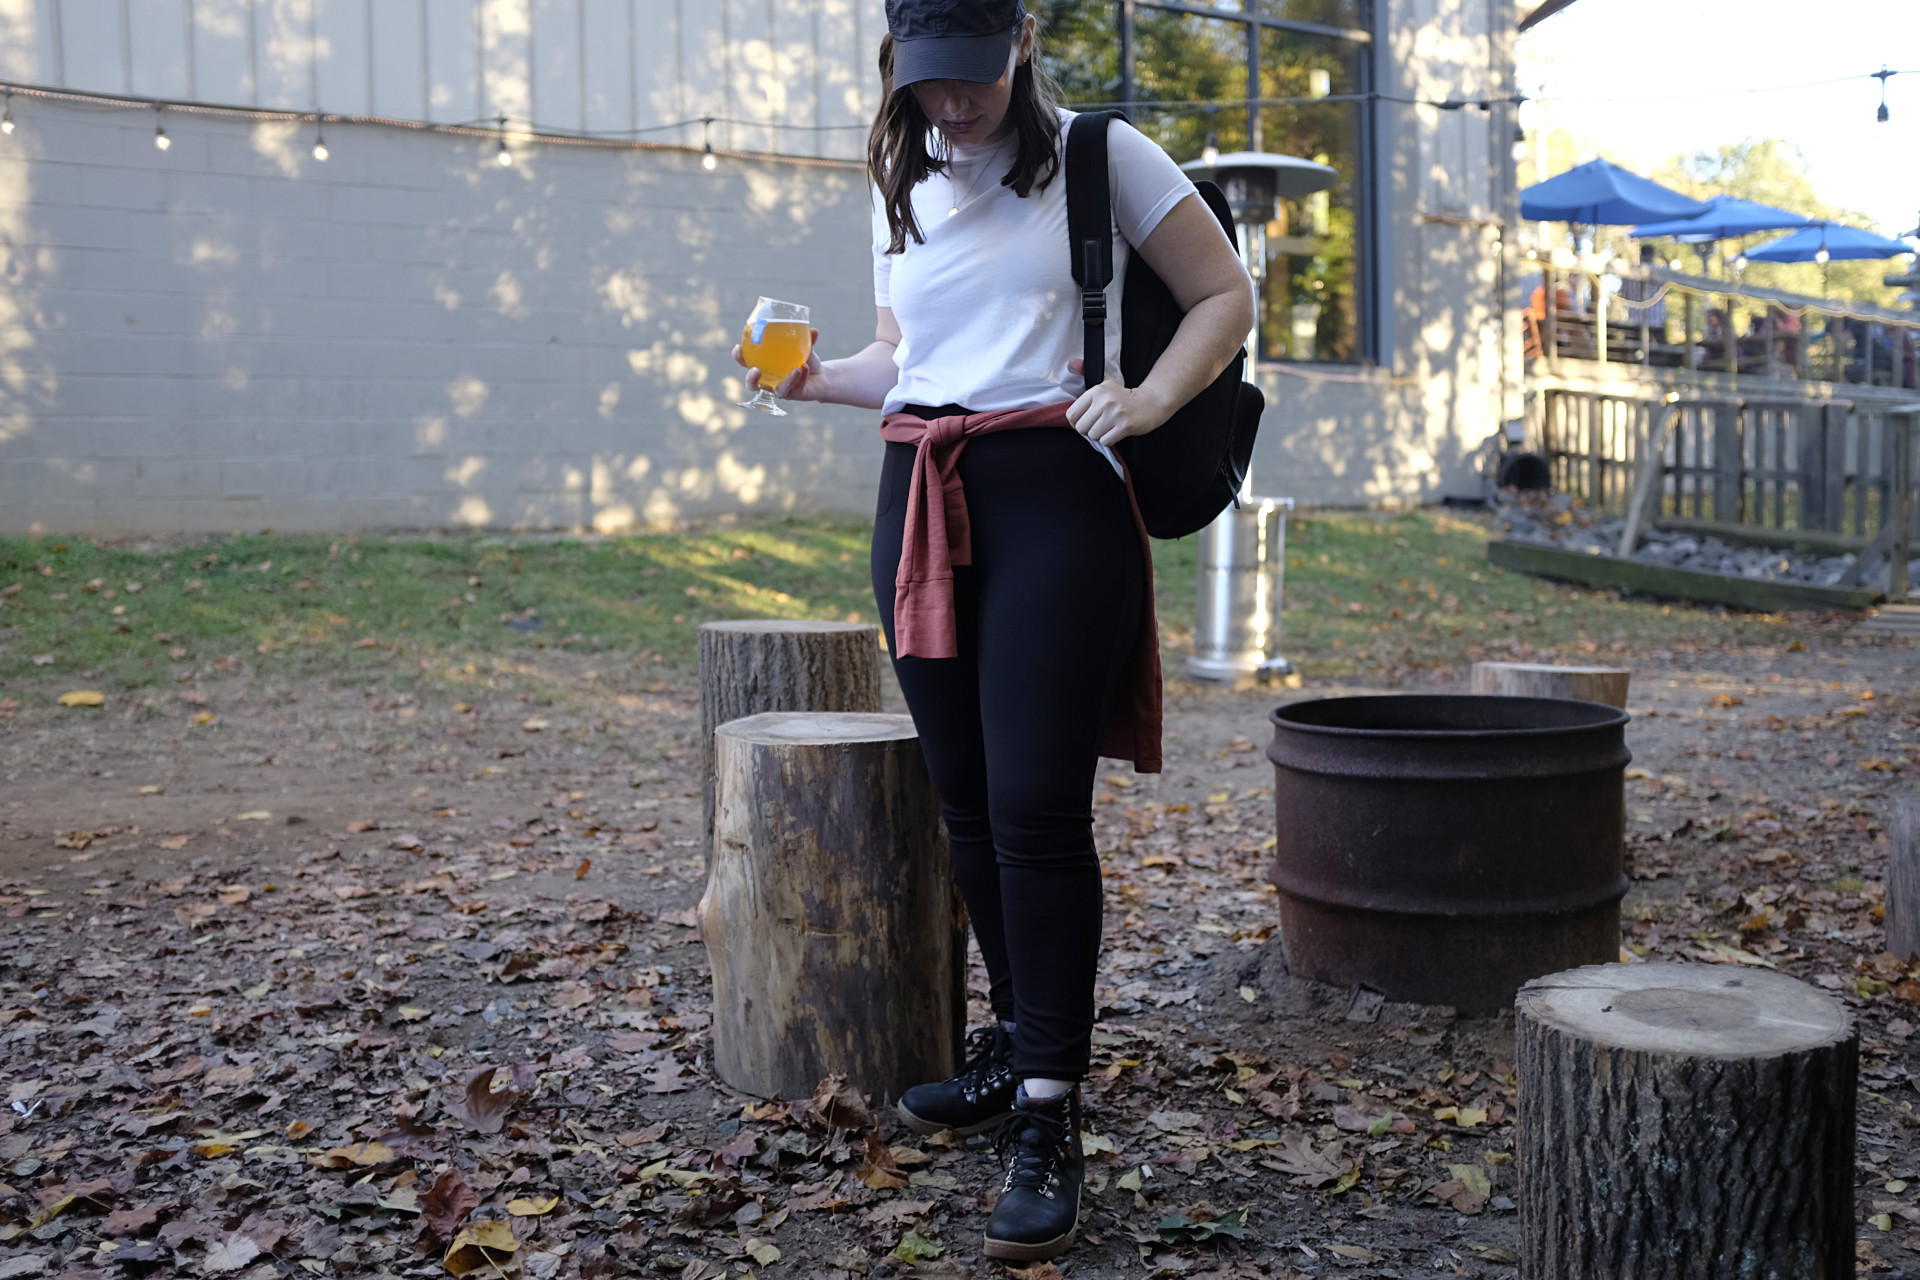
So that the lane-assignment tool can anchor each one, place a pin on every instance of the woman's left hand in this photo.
(1112, 411)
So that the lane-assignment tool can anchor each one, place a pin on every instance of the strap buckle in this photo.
(1093, 305)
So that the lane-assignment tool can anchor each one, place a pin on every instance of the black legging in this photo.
(1046, 614)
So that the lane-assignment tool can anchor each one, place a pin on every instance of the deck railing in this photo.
(1656, 318)
(1831, 474)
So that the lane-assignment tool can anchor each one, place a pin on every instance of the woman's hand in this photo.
(808, 382)
(1112, 411)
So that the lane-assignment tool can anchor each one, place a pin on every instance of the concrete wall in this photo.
(229, 334)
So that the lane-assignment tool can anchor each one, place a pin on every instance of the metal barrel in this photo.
(1444, 849)
(1237, 624)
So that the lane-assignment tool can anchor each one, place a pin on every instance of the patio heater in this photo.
(1236, 631)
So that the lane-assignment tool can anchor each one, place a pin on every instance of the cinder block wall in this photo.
(230, 334)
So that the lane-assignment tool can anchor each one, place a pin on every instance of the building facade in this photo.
(235, 332)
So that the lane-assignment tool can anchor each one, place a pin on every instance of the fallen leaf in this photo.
(131, 1222)
(914, 1247)
(1249, 995)
(535, 724)
(447, 1201)
(838, 1105)
(359, 1153)
(879, 1170)
(533, 1206)
(231, 1254)
(298, 1130)
(174, 842)
(763, 1252)
(83, 698)
(482, 1107)
(473, 1249)
(412, 1013)
(253, 815)
(1297, 1156)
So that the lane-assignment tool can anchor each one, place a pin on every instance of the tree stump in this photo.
(1684, 1121)
(1541, 680)
(771, 664)
(1903, 880)
(836, 932)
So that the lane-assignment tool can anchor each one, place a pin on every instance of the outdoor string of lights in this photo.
(500, 127)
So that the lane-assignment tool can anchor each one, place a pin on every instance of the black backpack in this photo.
(1192, 468)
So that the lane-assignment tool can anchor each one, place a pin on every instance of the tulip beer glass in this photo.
(777, 340)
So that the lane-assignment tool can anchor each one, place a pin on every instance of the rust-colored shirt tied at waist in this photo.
(938, 536)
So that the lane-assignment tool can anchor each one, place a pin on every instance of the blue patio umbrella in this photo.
(1724, 217)
(1827, 240)
(1601, 192)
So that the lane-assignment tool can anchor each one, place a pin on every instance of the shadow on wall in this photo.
(232, 333)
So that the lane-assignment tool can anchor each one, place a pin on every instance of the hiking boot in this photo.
(975, 1100)
(1039, 1206)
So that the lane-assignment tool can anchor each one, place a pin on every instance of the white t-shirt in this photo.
(988, 310)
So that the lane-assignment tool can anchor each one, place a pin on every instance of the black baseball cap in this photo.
(952, 39)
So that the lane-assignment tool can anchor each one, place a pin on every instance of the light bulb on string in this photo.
(503, 157)
(160, 139)
(708, 160)
(1821, 256)
(320, 151)
(1883, 75)
(6, 117)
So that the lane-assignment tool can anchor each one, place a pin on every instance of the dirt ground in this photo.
(266, 939)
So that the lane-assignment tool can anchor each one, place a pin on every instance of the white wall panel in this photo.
(91, 41)
(506, 55)
(453, 62)
(160, 47)
(27, 41)
(222, 51)
(283, 32)
(792, 42)
(341, 26)
(608, 72)
(845, 98)
(556, 65)
(753, 83)
(660, 43)
(705, 68)
(399, 59)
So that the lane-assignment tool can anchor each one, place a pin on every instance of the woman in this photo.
(1012, 577)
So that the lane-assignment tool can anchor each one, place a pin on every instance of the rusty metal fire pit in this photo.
(1446, 849)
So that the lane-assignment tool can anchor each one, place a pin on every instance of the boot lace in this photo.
(1034, 1145)
(979, 1075)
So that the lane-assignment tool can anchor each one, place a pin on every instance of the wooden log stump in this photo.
(1903, 880)
(1542, 680)
(1684, 1121)
(755, 665)
(835, 929)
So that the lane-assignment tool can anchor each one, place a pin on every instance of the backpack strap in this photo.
(1090, 231)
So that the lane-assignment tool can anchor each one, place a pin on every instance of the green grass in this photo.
(1367, 595)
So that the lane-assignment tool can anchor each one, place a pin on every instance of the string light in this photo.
(6, 118)
(1821, 256)
(320, 151)
(1883, 75)
(160, 139)
(503, 157)
(708, 160)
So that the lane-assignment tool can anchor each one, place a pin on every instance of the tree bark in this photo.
(1684, 1122)
(837, 935)
(769, 664)
(1540, 680)
(1903, 880)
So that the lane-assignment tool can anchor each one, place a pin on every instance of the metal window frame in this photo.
(1372, 339)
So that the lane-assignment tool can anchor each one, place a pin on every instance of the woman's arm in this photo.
(861, 380)
(1190, 252)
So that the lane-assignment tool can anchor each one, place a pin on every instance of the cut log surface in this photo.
(1540, 680)
(1684, 1121)
(1903, 880)
(754, 665)
(835, 930)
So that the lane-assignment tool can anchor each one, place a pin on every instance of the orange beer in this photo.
(783, 346)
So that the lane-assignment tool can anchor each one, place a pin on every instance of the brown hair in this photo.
(897, 156)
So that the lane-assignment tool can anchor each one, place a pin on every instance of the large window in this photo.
(1286, 76)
